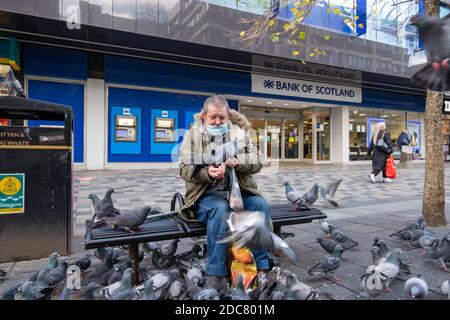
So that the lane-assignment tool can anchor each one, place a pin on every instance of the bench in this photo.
(174, 227)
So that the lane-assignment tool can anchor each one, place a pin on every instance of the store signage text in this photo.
(304, 89)
(446, 107)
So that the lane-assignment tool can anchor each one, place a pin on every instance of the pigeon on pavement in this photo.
(329, 264)
(416, 288)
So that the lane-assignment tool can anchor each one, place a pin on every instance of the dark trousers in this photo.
(376, 172)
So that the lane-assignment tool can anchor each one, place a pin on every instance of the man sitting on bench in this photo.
(207, 185)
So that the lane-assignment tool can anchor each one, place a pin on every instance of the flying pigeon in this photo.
(129, 220)
(416, 288)
(301, 201)
(250, 231)
(329, 264)
(435, 36)
(14, 85)
(329, 191)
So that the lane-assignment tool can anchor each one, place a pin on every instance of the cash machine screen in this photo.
(125, 129)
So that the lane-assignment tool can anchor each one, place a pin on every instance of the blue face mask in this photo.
(217, 130)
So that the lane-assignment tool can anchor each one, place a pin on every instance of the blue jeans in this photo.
(214, 211)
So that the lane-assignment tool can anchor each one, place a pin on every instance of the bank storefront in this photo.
(136, 114)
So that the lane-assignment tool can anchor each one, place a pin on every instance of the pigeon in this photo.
(329, 191)
(83, 263)
(36, 290)
(57, 275)
(89, 292)
(101, 253)
(103, 208)
(297, 290)
(66, 293)
(324, 226)
(442, 253)
(329, 244)
(2, 273)
(250, 231)
(124, 291)
(410, 231)
(129, 220)
(340, 237)
(115, 276)
(239, 292)
(170, 248)
(162, 282)
(380, 252)
(416, 288)
(51, 264)
(299, 200)
(445, 288)
(176, 289)
(223, 153)
(98, 273)
(14, 85)
(10, 293)
(329, 264)
(434, 33)
(389, 268)
(148, 293)
(370, 284)
(426, 242)
(195, 276)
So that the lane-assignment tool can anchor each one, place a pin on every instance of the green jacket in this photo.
(194, 172)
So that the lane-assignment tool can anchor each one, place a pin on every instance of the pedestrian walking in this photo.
(382, 148)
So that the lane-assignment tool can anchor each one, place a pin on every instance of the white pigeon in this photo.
(445, 288)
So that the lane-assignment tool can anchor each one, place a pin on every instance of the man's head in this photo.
(215, 111)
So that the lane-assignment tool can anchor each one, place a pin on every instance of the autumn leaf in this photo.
(346, 21)
(327, 37)
(361, 25)
(295, 42)
(329, 10)
(271, 22)
(356, 17)
(337, 11)
(286, 27)
(302, 35)
(242, 33)
(275, 39)
(296, 53)
(303, 61)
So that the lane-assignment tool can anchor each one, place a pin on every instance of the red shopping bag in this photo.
(391, 171)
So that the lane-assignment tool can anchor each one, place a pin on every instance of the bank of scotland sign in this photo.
(305, 89)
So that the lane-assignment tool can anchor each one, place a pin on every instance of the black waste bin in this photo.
(35, 180)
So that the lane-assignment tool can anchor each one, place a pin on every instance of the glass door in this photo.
(291, 139)
(274, 138)
(308, 134)
(323, 133)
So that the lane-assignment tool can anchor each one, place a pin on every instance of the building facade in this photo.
(135, 72)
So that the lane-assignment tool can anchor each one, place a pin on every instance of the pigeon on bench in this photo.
(301, 201)
(129, 220)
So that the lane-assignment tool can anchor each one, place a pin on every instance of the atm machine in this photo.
(164, 130)
(125, 129)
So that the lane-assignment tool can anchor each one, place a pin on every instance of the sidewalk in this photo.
(366, 211)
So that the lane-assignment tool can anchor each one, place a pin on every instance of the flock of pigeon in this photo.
(166, 274)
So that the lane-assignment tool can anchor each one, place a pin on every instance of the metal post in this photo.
(133, 252)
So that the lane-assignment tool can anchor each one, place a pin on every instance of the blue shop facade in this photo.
(135, 115)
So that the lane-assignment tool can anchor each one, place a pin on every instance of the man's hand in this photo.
(217, 173)
(233, 163)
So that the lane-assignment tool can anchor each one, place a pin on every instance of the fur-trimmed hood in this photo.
(235, 117)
